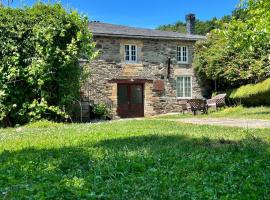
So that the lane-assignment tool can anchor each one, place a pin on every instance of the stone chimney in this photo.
(190, 21)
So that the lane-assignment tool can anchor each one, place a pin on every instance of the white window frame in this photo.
(130, 53)
(191, 87)
(180, 55)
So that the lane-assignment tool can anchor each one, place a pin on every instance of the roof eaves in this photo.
(194, 38)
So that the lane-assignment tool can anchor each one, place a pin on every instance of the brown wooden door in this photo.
(130, 100)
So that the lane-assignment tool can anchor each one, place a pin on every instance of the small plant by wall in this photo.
(101, 110)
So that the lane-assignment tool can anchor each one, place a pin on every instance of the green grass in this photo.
(137, 159)
(239, 112)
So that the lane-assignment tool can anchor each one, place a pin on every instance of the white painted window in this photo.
(130, 53)
(182, 54)
(184, 87)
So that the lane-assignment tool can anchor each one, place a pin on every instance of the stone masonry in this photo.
(152, 66)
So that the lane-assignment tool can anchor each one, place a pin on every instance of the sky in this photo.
(145, 13)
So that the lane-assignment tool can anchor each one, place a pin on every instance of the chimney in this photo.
(190, 21)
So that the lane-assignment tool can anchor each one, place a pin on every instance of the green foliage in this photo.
(250, 90)
(238, 53)
(176, 27)
(101, 109)
(40, 74)
(253, 94)
(134, 159)
(209, 54)
(202, 27)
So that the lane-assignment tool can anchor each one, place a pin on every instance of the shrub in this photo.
(101, 109)
(40, 48)
(253, 94)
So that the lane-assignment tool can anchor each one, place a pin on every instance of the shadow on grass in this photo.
(154, 167)
(258, 113)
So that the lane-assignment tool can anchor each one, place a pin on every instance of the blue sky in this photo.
(146, 13)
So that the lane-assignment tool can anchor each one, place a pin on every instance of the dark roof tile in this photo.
(104, 29)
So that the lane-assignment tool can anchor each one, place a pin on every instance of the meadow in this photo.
(134, 159)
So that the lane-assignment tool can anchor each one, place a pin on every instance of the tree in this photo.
(177, 27)
(238, 52)
(40, 75)
(204, 27)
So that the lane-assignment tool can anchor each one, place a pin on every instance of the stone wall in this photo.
(152, 65)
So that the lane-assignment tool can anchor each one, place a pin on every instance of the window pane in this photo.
(179, 54)
(184, 53)
(180, 87)
(122, 93)
(127, 53)
(133, 53)
(136, 94)
(186, 86)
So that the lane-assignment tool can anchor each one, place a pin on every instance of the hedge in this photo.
(40, 48)
(253, 94)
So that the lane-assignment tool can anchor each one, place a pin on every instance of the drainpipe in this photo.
(169, 68)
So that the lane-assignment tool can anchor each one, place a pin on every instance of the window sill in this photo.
(183, 63)
(139, 64)
(184, 98)
(135, 62)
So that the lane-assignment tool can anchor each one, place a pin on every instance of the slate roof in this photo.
(104, 29)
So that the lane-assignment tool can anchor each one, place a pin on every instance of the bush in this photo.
(253, 94)
(40, 48)
(101, 110)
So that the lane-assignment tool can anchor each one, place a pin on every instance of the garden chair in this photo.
(184, 106)
(197, 105)
(217, 101)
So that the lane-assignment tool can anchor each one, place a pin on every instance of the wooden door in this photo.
(130, 100)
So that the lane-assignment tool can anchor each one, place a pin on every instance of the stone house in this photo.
(142, 72)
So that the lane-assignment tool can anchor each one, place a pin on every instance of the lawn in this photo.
(231, 112)
(134, 159)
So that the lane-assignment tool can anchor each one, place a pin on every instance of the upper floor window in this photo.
(182, 54)
(130, 53)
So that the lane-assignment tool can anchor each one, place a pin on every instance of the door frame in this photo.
(129, 93)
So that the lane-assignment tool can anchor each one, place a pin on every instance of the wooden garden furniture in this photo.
(184, 106)
(217, 101)
(197, 105)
